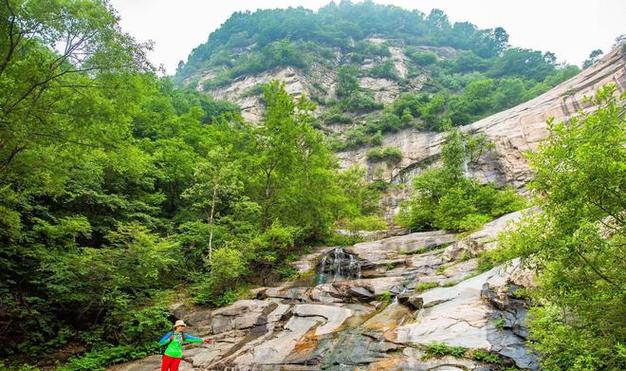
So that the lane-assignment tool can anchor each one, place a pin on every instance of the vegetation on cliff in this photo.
(468, 73)
(119, 190)
(446, 198)
(576, 244)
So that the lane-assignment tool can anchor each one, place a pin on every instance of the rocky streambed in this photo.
(379, 305)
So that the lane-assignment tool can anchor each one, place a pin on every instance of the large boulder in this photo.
(460, 316)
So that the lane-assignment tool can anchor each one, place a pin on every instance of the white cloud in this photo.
(570, 29)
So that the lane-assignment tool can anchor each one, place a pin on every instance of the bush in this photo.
(482, 355)
(384, 70)
(366, 223)
(575, 244)
(335, 117)
(221, 286)
(423, 58)
(347, 81)
(444, 199)
(423, 286)
(442, 349)
(390, 155)
(360, 102)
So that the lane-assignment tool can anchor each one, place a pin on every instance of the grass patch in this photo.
(386, 297)
(499, 323)
(441, 269)
(482, 355)
(438, 350)
(423, 286)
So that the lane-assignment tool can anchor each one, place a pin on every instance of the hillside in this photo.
(371, 69)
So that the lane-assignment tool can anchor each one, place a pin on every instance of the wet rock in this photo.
(413, 359)
(462, 315)
(332, 316)
(337, 265)
(383, 323)
(275, 350)
(412, 301)
(351, 350)
(362, 293)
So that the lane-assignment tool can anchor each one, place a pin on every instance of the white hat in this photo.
(180, 322)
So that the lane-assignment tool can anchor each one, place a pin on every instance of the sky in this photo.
(569, 28)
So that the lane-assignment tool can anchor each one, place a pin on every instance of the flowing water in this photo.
(338, 265)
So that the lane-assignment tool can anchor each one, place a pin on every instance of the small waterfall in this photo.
(402, 291)
(338, 265)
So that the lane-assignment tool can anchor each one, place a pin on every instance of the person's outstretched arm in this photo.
(165, 339)
(194, 339)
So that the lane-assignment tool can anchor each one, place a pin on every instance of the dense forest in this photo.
(117, 188)
(122, 191)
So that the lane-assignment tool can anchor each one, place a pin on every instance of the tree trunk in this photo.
(211, 215)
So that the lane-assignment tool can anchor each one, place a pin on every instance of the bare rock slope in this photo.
(513, 131)
(380, 319)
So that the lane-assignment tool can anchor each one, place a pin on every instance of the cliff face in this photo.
(513, 131)
(318, 82)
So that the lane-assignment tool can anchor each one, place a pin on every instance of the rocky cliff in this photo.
(513, 131)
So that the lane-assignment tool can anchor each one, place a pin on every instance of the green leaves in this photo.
(443, 198)
(576, 244)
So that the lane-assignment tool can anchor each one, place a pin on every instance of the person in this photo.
(174, 340)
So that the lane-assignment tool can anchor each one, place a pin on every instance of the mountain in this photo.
(391, 216)
(371, 69)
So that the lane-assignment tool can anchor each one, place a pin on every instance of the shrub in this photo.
(366, 223)
(390, 155)
(386, 297)
(336, 117)
(423, 58)
(347, 81)
(444, 199)
(482, 355)
(423, 286)
(360, 102)
(221, 287)
(442, 349)
(384, 70)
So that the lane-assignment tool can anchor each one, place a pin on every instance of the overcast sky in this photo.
(569, 28)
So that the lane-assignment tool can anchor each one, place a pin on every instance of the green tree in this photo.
(444, 198)
(216, 182)
(576, 243)
(347, 81)
(593, 58)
